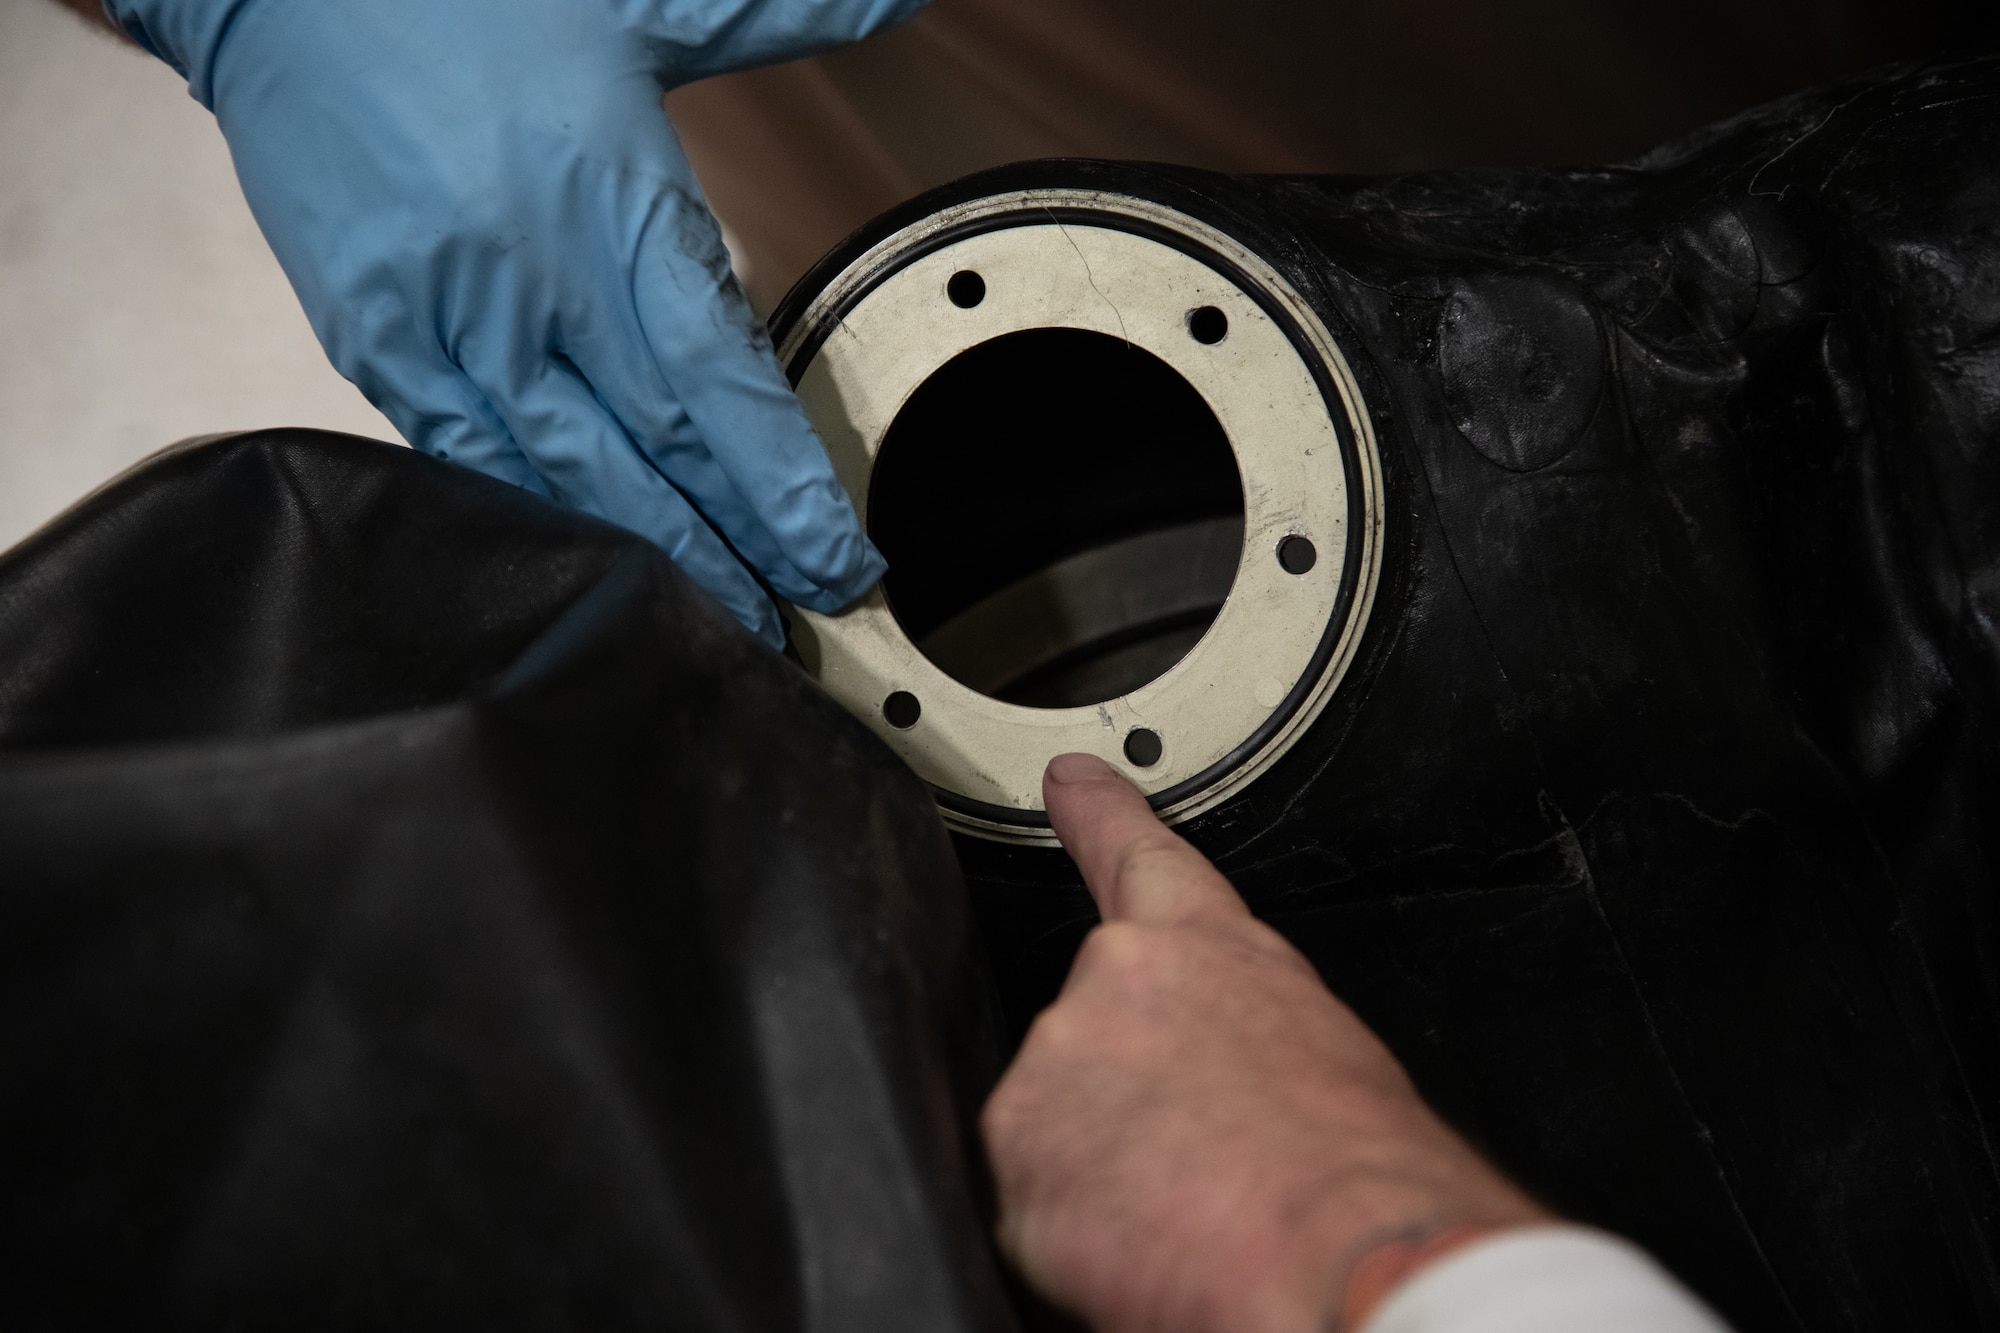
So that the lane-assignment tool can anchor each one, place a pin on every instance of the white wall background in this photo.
(138, 303)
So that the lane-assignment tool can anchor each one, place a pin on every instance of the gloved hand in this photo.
(497, 237)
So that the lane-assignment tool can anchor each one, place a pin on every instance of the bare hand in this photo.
(1197, 1135)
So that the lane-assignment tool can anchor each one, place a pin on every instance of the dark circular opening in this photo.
(901, 710)
(966, 289)
(1061, 514)
(1297, 555)
(1208, 325)
(1142, 747)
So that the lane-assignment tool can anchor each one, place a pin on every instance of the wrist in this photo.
(182, 33)
(1363, 1240)
(1329, 1265)
(1386, 1264)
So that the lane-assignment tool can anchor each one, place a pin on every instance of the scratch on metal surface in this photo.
(1564, 839)
(1782, 153)
(1091, 277)
(1428, 899)
(1841, 163)
(1732, 825)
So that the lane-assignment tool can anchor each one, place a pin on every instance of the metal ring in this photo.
(1284, 396)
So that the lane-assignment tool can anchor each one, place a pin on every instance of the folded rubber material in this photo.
(421, 907)
(1655, 826)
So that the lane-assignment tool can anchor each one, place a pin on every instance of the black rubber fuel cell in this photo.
(1651, 826)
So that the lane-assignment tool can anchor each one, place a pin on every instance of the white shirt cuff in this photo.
(1556, 1279)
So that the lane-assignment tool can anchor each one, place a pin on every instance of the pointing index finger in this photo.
(1137, 869)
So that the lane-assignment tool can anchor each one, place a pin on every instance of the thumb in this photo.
(1136, 868)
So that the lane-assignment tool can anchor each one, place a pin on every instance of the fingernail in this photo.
(1079, 768)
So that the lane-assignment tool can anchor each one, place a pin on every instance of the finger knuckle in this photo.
(1115, 947)
(1155, 854)
(1133, 959)
(1056, 1031)
(1001, 1115)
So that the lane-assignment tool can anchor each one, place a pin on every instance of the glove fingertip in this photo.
(745, 602)
(861, 569)
(770, 628)
(731, 585)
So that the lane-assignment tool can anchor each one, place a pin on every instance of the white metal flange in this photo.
(1285, 398)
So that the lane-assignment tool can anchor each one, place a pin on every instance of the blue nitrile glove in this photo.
(497, 237)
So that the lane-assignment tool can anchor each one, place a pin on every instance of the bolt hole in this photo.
(966, 289)
(1206, 324)
(1297, 555)
(1142, 747)
(901, 710)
